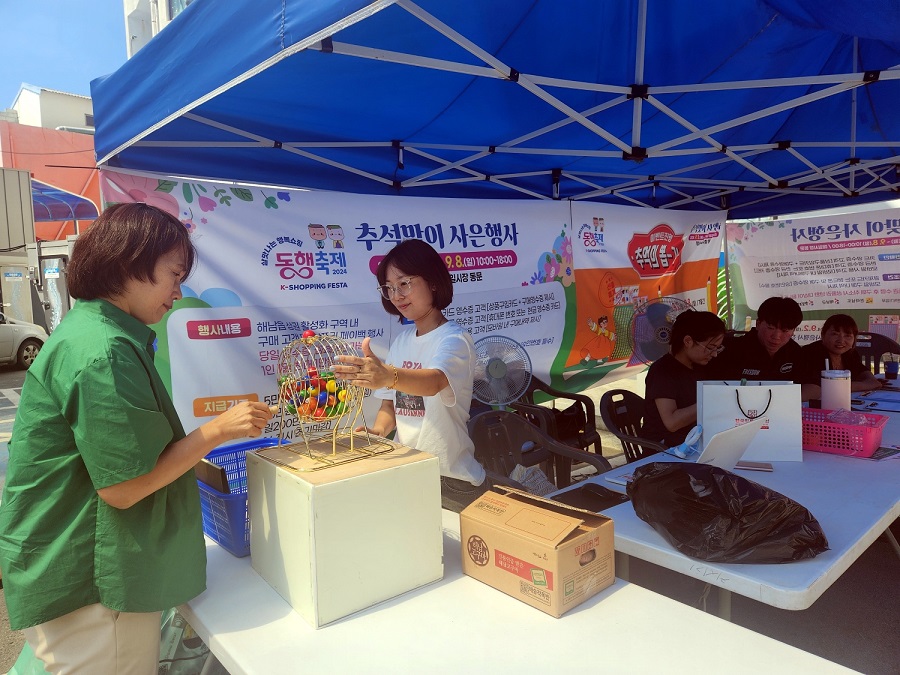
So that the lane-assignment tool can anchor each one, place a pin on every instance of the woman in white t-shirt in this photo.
(426, 381)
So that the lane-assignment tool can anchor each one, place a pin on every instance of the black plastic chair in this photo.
(574, 425)
(622, 412)
(872, 347)
(504, 439)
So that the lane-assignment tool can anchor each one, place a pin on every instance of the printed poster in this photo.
(847, 263)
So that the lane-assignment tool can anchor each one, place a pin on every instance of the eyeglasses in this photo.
(715, 351)
(401, 289)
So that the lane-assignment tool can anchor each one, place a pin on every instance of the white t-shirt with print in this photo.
(437, 424)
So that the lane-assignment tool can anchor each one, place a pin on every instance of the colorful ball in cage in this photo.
(308, 383)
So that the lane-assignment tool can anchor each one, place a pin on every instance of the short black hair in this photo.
(699, 326)
(783, 313)
(415, 257)
(124, 243)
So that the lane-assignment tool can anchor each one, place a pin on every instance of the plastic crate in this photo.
(841, 439)
(225, 517)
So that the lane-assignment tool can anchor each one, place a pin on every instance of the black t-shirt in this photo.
(746, 358)
(813, 363)
(669, 378)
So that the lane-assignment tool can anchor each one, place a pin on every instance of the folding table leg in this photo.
(891, 538)
(622, 565)
(725, 604)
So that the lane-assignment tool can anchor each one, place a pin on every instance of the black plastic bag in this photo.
(715, 515)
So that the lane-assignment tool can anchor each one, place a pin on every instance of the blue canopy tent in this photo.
(53, 204)
(761, 107)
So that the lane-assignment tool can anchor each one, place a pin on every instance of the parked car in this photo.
(20, 341)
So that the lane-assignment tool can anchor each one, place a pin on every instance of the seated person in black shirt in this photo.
(767, 352)
(671, 397)
(836, 351)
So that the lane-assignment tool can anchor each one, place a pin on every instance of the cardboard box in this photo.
(546, 554)
(335, 541)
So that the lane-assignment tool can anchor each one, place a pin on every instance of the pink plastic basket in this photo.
(841, 439)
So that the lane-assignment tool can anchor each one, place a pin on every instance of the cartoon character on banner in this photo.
(336, 234)
(318, 234)
(598, 349)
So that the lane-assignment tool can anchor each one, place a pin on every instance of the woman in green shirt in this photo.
(100, 525)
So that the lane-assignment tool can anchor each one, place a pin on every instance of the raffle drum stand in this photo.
(326, 408)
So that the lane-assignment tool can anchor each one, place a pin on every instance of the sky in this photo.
(59, 44)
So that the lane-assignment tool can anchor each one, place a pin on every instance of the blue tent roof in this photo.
(55, 204)
(758, 106)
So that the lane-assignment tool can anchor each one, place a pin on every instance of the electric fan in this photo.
(502, 370)
(651, 327)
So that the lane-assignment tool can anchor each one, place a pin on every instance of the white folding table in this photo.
(459, 625)
(854, 500)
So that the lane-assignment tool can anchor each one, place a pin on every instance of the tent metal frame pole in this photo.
(759, 114)
(522, 139)
(522, 80)
(853, 112)
(816, 169)
(640, 53)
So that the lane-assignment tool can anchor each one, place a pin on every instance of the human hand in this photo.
(247, 419)
(364, 371)
(591, 325)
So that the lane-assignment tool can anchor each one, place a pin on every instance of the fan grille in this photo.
(651, 327)
(502, 370)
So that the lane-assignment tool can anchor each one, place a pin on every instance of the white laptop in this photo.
(726, 447)
(723, 450)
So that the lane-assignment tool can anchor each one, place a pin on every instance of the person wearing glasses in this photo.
(670, 411)
(426, 381)
(768, 351)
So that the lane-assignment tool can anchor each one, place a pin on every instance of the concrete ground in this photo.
(855, 623)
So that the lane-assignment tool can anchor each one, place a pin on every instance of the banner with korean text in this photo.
(274, 262)
(626, 259)
(829, 264)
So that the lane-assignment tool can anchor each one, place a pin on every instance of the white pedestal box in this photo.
(338, 540)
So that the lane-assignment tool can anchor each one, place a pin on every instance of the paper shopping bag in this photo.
(722, 405)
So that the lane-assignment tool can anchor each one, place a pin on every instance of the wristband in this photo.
(396, 377)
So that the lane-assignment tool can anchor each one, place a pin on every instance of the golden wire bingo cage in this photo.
(310, 391)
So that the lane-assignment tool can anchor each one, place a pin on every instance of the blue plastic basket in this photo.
(225, 517)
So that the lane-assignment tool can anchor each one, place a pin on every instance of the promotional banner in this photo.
(830, 264)
(635, 269)
(275, 262)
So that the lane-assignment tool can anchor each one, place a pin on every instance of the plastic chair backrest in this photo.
(573, 425)
(872, 347)
(622, 412)
(500, 437)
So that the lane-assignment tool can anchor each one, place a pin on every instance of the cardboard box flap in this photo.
(519, 512)
(589, 518)
(542, 526)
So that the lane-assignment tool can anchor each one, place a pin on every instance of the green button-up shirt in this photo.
(94, 413)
